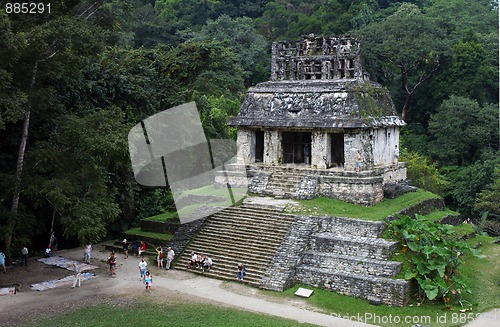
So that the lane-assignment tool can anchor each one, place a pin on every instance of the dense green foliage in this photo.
(436, 256)
(74, 82)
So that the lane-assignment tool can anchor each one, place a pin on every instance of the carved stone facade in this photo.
(317, 111)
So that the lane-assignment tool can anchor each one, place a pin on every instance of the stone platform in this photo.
(302, 182)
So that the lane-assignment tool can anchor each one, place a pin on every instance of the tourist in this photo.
(142, 248)
(53, 242)
(240, 273)
(125, 247)
(199, 261)
(192, 260)
(396, 154)
(170, 258)
(112, 264)
(159, 256)
(142, 267)
(359, 158)
(24, 256)
(307, 154)
(87, 253)
(207, 264)
(48, 251)
(148, 280)
(2, 262)
(78, 275)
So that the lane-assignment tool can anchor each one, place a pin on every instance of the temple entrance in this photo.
(259, 146)
(337, 149)
(297, 147)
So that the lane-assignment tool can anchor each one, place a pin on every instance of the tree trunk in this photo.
(19, 170)
(405, 106)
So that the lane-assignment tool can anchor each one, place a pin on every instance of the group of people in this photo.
(139, 249)
(164, 260)
(200, 261)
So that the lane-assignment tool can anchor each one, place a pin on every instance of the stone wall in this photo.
(422, 208)
(365, 191)
(184, 234)
(388, 291)
(280, 273)
(245, 146)
(351, 226)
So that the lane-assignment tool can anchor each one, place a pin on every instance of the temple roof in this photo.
(342, 103)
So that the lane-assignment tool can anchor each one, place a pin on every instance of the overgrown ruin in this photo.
(299, 133)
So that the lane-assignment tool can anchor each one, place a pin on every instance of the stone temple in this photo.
(299, 133)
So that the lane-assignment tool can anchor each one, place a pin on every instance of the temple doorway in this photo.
(259, 146)
(337, 149)
(297, 147)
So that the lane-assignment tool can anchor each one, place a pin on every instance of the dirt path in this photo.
(169, 287)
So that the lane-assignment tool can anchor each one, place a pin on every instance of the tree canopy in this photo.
(73, 83)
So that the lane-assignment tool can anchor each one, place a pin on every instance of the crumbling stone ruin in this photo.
(299, 133)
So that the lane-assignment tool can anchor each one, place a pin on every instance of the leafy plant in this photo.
(435, 255)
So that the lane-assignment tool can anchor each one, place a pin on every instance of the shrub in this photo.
(435, 257)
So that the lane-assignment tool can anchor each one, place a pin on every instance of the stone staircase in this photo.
(347, 256)
(247, 234)
(283, 184)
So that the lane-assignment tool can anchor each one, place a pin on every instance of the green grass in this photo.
(160, 236)
(326, 206)
(170, 216)
(154, 314)
(483, 274)
(438, 214)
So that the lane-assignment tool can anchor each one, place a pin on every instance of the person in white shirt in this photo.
(142, 268)
(170, 258)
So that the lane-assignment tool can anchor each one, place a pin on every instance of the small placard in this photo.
(303, 292)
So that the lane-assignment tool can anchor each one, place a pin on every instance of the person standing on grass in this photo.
(142, 267)
(148, 280)
(170, 258)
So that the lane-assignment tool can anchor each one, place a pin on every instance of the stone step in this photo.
(229, 252)
(351, 226)
(244, 232)
(237, 242)
(253, 208)
(228, 267)
(358, 246)
(358, 265)
(387, 291)
(228, 257)
(249, 280)
(254, 219)
(248, 224)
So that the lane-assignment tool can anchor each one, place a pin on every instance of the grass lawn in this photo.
(438, 214)
(138, 232)
(326, 206)
(170, 216)
(153, 314)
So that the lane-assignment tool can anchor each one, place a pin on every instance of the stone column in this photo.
(245, 146)
(273, 148)
(319, 150)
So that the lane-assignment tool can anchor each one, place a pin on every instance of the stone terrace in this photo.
(248, 234)
(344, 255)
